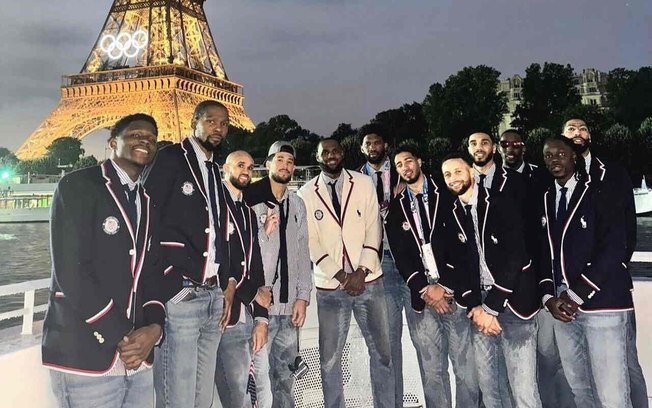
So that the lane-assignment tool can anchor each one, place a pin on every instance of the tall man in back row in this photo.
(345, 234)
(106, 309)
(388, 184)
(186, 188)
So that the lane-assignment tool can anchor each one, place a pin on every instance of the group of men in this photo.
(171, 281)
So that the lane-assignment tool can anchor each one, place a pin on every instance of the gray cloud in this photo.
(326, 62)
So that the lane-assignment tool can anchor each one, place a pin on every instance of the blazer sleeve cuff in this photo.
(246, 292)
(496, 300)
(154, 312)
(417, 281)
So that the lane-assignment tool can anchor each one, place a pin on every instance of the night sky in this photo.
(327, 62)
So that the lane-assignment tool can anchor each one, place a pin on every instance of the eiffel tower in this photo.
(152, 56)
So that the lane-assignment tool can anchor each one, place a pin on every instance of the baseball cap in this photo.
(280, 146)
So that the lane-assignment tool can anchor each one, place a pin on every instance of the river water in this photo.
(25, 255)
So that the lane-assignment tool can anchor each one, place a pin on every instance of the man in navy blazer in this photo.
(497, 286)
(584, 281)
(438, 327)
(246, 332)
(106, 311)
(186, 187)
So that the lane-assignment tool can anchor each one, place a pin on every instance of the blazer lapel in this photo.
(323, 195)
(433, 203)
(483, 212)
(347, 189)
(193, 165)
(114, 187)
(407, 214)
(458, 214)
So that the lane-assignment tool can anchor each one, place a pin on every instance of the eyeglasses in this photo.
(505, 144)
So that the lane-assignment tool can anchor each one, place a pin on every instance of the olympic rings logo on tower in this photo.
(124, 45)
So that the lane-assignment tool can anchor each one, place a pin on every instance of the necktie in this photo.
(282, 266)
(481, 181)
(472, 244)
(560, 218)
(212, 197)
(423, 214)
(336, 201)
(380, 193)
(132, 210)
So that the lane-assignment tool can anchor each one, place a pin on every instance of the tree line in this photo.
(468, 101)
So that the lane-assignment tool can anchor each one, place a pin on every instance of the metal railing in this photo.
(29, 288)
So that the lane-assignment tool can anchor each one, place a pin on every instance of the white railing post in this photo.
(28, 316)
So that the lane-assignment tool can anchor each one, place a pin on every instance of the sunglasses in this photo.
(505, 144)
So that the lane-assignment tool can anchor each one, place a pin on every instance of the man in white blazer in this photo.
(345, 234)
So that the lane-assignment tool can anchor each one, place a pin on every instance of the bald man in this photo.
(246, 332)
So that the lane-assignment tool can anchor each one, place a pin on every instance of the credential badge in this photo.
(187, 188)
(461, 237)
(262, 218)
(319, 215)
(543, 221)
(406, 226)
(111, 225)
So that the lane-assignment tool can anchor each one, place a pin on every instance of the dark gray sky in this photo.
(327, 62)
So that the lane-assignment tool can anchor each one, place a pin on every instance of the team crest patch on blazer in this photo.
(406, 226)
(461, 237)
(583, 222)
(111, 225)
(319, 215)
(543, 221)
(231, 228)
(187, 188)
(494, 240)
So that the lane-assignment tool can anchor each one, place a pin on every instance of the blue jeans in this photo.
(273, 377)
(436, 338)
(79, 391)
(553, 387)
(184, 365)
(593, 351)
(636, 379)
(397, 296)
(232, 368)
(515, 349)
(334, 308)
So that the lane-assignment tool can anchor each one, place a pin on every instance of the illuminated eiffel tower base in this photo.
(152, 56)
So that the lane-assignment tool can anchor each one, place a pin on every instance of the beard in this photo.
(324, 167)
(582, 147)
(465, 187)
(237, 184)
(280, 179)
(487, 159)
(208, 146)
(378, 159)
(415, 177)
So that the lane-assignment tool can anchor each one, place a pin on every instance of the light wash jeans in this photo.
(232, 368)
(334, 308)
(80, 391)
(515, 349)
(184, 365)
(274, 379)
(435, 338)
(553, 387)
(636, 379)
(593, 351)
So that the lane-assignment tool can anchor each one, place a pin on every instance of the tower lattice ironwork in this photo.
(152, 56)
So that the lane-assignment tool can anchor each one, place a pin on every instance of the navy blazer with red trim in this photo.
(175, 183)
(594, 252)
(106, 281)
(405, 243)
(502, 240)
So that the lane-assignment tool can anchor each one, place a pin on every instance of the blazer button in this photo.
(101, 340)
(207, 230)
(96, 334)
(206, 208)
(242, 263)
(205, 254)
(132, 252)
